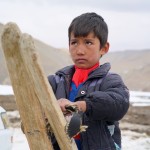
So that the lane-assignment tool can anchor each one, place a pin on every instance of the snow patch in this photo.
(6, 90)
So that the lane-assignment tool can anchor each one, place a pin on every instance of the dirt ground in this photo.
(137, 119)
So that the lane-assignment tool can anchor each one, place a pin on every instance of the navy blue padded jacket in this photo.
(107, 101)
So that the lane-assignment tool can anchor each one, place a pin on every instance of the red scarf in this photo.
(81, 75)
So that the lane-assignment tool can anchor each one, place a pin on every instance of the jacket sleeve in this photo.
(52, 81)
(111, 102)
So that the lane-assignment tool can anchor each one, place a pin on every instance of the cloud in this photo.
(48, 20)
(113, 5)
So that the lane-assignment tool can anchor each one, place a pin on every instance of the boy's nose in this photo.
(80, 50)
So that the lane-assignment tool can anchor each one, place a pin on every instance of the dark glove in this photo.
(74, 125)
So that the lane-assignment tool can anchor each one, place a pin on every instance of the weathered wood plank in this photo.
(32, 91)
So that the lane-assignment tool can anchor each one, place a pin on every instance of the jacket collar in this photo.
(98, 72)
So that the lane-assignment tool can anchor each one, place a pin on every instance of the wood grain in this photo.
(34, 96)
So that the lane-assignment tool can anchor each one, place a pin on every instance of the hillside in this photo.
(52, 59)
(132, 65)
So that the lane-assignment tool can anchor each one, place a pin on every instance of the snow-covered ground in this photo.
(130, 140)
(6, 90)
(139, 98)
(20, 141)
(135, 141)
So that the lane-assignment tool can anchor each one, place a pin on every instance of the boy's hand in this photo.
(63, 103)
(81, 105)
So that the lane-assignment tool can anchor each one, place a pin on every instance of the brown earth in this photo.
(138, 115)
(137, 119)
(8, 102)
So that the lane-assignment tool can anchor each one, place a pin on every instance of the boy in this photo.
(101, 96)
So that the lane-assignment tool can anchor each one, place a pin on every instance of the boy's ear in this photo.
(104, 49)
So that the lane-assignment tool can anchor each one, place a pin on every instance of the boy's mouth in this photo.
(80, 60)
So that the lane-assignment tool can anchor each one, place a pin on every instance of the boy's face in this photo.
(85, 51)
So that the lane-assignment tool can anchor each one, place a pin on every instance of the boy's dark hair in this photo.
(89, 22)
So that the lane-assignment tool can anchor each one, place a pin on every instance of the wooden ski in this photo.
(34, 96)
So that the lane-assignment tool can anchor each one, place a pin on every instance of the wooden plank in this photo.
(32, 91)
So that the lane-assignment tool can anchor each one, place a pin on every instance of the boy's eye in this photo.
(73, 43)
(88, 43)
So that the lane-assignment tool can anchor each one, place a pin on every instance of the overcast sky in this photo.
(48, 20)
